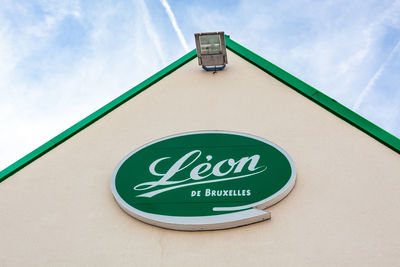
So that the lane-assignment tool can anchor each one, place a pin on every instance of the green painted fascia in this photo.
(316, 96)
(13, 168)
(288, 79)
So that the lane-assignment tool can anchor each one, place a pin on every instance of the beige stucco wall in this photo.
(343, 211)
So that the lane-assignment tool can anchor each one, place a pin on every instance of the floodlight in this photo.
(211, 50)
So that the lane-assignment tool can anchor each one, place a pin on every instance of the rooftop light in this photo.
(211, 50)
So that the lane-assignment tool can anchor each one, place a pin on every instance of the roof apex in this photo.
(299, 86)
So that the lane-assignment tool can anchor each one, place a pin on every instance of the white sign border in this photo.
(213, 222)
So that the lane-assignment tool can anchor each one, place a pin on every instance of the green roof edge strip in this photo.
(76, 128)
(316, 96)
(306, 90)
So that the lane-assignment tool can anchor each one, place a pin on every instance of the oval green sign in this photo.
(203, 180)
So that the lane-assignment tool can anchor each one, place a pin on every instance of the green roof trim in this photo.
(316, 96)
(13, 168)
(288, 79)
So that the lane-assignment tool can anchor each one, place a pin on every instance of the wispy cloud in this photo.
(47, 85)
(175, 25)
(375, 77)
(370, 34)
(23, 35)
(336, 47)
(62, 60)
(151, 31)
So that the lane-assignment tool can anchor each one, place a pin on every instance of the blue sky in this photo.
(62, 60)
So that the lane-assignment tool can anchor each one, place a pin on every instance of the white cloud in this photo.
(47, 85)
(390, 16)
(375, 77)
(115, 56)
(335, 46)
(151, 31)
(175, 25)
